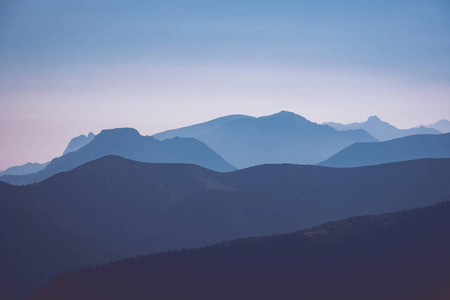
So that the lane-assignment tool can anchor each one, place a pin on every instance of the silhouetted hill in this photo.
(442, 126)
(135, 208)
(407, 148)
(381, 130)
(28, 168)
(33, 248)
(79, 142)
(199, 129)
(391, 256)
(280, 138)
(128, 143)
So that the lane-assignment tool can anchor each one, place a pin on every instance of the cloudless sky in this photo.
(71, 67)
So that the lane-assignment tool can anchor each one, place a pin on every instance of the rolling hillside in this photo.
(134, 208)
(393, 256)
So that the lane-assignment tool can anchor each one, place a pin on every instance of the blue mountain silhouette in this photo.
(442, 125)
(381, 130)
(79, 142)
(128, 143)
(199, 129)
(28, 168)
(284, 137)
(406, 148)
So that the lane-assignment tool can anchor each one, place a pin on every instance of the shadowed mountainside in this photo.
(381, 130)
(280, 138)
(128, 143)
(135, 208)
(79, 142)
(407, 148)
(393, 256)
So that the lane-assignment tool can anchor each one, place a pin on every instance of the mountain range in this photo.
(381, 130)
(120, 194)
(30, 168)
(245, 141)
(112, 208)
(402, 255)
(128, 143)
(284, 137)
(402, 149)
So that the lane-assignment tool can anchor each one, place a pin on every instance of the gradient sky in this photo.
(70, 67)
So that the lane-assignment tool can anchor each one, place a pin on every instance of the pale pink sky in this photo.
(40, 113)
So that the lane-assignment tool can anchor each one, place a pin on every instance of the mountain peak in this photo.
(374, 118)
(119, 132)
(79, 142)
(287, 114)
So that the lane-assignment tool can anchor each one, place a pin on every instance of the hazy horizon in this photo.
(64, 144)
(71, 68)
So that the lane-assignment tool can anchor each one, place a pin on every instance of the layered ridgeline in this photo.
(442, 125)
(200, 129)
(393, 256)
(407, 148)
(381, 130)
(30, 168)
(280, 138)
(132, 208)
(128, 143)
(79, 142)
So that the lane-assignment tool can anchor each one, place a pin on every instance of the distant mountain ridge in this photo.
(284, 137)
(28, 168)
(135, 208)
(199, 129)
(31, 168)
(402, 255)
(402, 149)
(79, 142)
(442, 125)
(128, 143)
(381, 130)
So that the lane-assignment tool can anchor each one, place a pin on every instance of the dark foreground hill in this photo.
(128, 143)
(407, 148)
(393, 256)
(33, 247)
(133, 208)
(284, 137)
